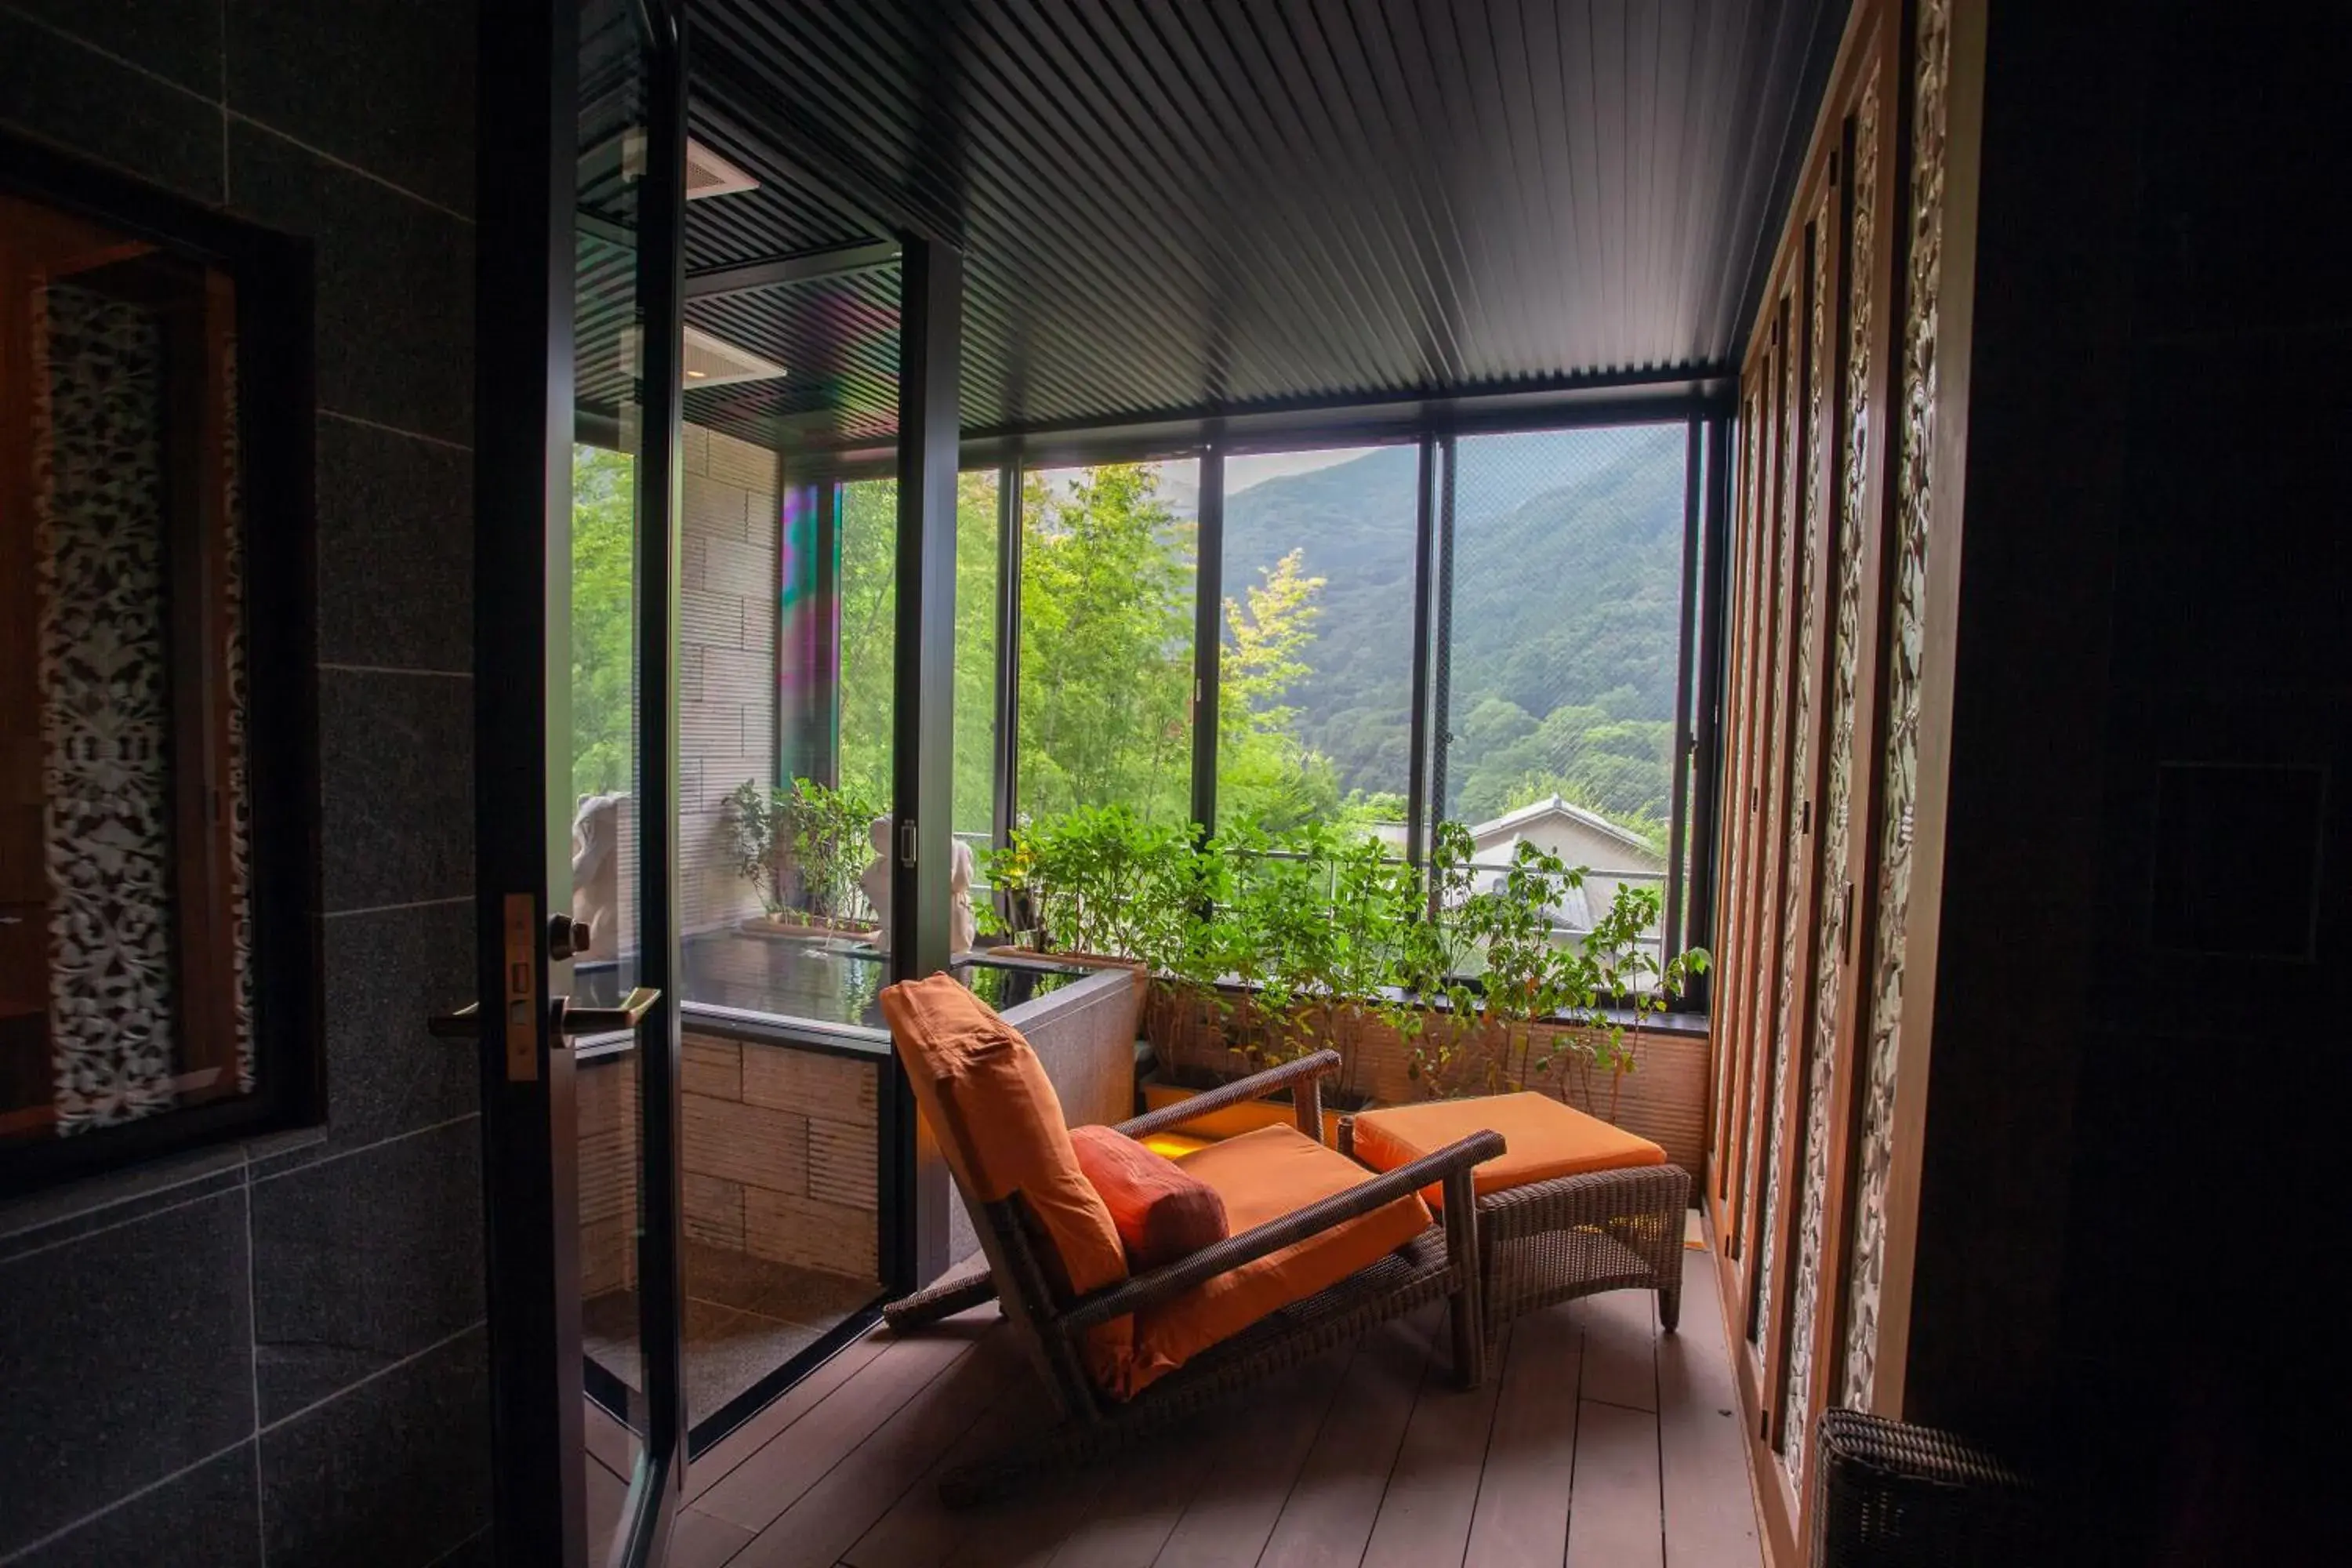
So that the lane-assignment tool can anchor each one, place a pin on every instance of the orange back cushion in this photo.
(999, 1125)
(1162, 1212)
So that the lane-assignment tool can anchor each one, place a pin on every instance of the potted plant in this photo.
(1296, 954)
(1623, 972)
(812, 838)
(1098, 885)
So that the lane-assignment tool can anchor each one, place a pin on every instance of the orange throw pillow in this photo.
(1162, 1212)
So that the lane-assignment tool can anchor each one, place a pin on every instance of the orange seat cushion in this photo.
(1544, 1138)
(1000, 1126)
(1163, 1213)
(1262, 1176)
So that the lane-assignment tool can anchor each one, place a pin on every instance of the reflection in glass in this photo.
(126, 989)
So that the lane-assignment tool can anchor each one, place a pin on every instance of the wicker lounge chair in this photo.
(1443, 1261)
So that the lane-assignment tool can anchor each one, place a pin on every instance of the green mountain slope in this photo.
(1562, 655)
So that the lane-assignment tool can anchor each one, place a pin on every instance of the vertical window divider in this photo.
(1441, 670)
(1425, 571)
(1006, 812)
(1686, 745)
(1208, 635)
(1706, 781)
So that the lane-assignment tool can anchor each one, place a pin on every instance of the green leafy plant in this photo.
(1276, 936)
(823, 833)
(1099, 879)
(1630, 987)
(1495, 1000)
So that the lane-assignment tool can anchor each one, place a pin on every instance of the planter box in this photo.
(775, 925)
(1665, 1100)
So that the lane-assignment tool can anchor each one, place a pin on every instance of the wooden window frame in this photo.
(263, 282)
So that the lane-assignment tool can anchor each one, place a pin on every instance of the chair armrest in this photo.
(1257, 1085)
(1149, 1289)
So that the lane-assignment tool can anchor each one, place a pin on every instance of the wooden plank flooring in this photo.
(1595, 1440)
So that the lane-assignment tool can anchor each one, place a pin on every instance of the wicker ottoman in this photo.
(1573, 1207)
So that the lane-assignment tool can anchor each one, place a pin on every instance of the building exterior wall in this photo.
(277, 1347)
(728, 599)
(1576, 843)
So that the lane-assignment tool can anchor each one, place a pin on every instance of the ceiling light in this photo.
(708, 174)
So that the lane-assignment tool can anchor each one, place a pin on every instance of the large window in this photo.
(974, 801)
(1107, 595)
(869, 608)
(1524, 628)
(1563, 648)
(1315, 682)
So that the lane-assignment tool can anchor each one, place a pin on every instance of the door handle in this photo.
(577, 1020)
(466, 1023)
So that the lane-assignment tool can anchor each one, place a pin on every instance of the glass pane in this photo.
(603, 734)
(1561, 658)
(974, 811)
(1106, 596)
(125, 922)
(1315, 686)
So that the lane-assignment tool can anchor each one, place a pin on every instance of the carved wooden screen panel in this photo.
(1812, 763)
(1748, 972)
(1775, 887)
(1849, 789)
(1906, 642)
(126, 986)
(1834, 528)
(1732, 898)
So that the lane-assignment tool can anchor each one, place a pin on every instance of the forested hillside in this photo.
(1562, 658)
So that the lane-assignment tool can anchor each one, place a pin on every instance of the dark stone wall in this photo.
(2123, 1258)
(279, 1348)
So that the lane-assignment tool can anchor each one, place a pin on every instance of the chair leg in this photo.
(938, 1301)
(1670, 1278)
(1467, 1309)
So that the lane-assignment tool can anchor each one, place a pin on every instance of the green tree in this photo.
(868, 544)
(1105, 646)
(603, 620)
(1265, 773)
(869, 607)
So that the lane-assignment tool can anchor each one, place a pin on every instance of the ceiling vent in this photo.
(712, 361)
(708, 174)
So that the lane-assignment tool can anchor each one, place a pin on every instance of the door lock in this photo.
(566, 938)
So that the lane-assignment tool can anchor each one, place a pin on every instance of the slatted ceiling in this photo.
(837, 339)
(783, 216)
(1167, 208)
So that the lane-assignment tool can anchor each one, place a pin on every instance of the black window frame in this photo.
(1688, 900)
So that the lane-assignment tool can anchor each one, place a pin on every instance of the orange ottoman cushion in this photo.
(1162, 1212)
(1000, 1126)
(1262, 1176)
(1545, 1140)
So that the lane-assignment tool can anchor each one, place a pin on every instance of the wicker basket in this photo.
(1889, 1494)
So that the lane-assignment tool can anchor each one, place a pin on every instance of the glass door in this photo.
(576, 774)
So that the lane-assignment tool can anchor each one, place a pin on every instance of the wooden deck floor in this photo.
(1598, 1441)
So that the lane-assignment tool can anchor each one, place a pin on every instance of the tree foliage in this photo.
(1105, 646)
(604, 610)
